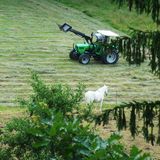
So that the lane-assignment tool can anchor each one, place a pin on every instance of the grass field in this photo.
(31, 40)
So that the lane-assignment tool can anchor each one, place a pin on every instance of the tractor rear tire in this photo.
(110, 58)
(84, 59)
(73, 55)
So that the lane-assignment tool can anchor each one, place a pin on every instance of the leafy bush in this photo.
(57, 97)
(54, 130)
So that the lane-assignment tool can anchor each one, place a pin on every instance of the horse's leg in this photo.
(101, 105)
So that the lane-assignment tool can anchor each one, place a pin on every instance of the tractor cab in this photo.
(104, 36)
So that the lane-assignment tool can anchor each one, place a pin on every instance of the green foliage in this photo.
(136, 154)
(61, 98)
(135, 49)
(141, 46)
(148, 112)
(55, 130)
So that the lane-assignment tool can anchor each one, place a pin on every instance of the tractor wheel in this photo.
(73, 55)
(110, 58)
(84, 59)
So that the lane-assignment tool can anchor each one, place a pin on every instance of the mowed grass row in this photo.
(31, 40)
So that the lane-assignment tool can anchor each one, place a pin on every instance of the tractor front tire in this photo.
(84, 59)
(110, 58)
(73, 55)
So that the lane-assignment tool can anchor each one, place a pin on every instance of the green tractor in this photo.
(100, 45)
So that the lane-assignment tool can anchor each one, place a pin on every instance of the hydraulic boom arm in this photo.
(66, 28)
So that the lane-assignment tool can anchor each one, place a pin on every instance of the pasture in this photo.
(31, 40)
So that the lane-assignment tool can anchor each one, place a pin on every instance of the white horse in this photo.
(98, 95)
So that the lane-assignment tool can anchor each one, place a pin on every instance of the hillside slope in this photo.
(110, 13)
(31, 40)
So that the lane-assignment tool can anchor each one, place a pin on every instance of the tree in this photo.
(147, 112)
(136, 48)
(143, 44)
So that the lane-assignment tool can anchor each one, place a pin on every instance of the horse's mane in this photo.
(102, 88)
